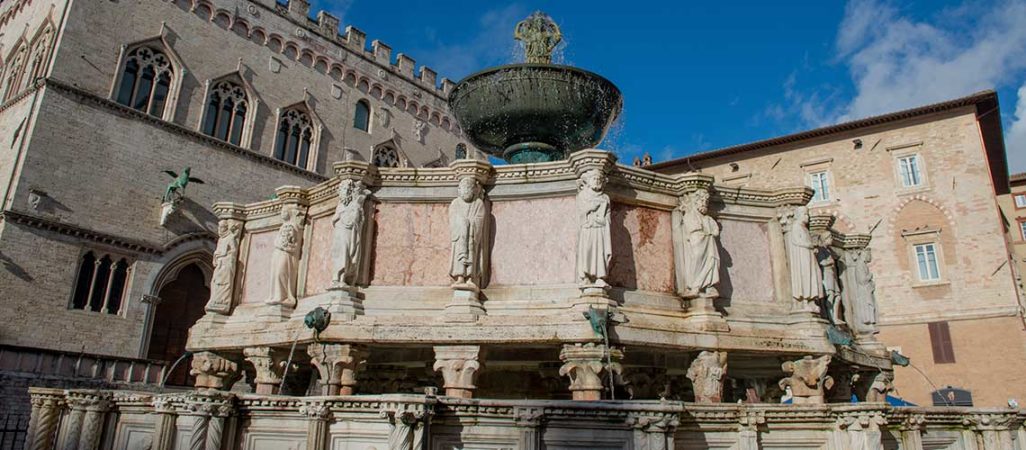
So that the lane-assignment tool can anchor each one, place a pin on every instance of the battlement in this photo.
(354, 39)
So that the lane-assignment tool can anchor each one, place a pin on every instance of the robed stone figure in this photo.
(806, 278)
(468, 230)
(864, 310)
(594, 245)
(285, 257)
(347, 236)
(696, 255)
(226, 255)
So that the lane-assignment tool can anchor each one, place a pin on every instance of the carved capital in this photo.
(93, 401)
(584, 364)
(229, 211)
(209, 404)
(356, 171)
(707, 372)
(750, 420)
(459, 366)
(269, 364)
(587, 160)
(213, 371)
(528, 416)
(338, 366)
(316, 410)
(472, 168)
(291, 195)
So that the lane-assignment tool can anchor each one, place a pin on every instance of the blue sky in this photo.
(702, 75)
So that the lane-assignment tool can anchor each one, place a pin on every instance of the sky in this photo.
(701, 75)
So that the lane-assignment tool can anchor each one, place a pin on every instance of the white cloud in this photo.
(1015, 136)
(491, 43)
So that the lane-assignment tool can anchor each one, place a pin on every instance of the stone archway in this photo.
(181, 305)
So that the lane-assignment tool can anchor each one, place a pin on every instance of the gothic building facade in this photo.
(104, 103)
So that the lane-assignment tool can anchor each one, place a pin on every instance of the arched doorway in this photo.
(181, 305)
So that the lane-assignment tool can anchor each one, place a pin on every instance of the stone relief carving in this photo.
(806, 277)
(213, 371)
(285, 258)
(831, 286)
(420, 130)
(539, 35)
(226, 256)
(349, 230)
(468, 231)
(808, 379)
(383, 116)
(707, 373)
(883, 383)
(695, 249)
(863, 311)
(594, 244)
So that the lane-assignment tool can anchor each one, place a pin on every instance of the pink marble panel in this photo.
(257, 269)
(642, 249)
(411, 247)
(318, 270)
(534, 242)
(746, 274)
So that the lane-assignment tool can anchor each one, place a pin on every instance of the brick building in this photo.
(100, 98)
(924, 183)
(1013, 207)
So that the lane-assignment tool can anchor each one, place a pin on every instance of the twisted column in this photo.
(209, 410)
(46, 413)
(85, 423)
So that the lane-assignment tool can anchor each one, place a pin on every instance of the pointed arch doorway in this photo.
(184, 292)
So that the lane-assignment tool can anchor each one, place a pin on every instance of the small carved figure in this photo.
(539, 35)
(807, 379)
(594, 244)
(348, 233)
(285, 258)
(225, 261)
(420, 130)
(696, 253)
(864, 314)
(883, 383)
(468, 214)
(706, 374)
(831, 287)
(806, 278)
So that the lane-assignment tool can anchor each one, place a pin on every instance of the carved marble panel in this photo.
(258, 267)
(318, 270)
(745, 271)
(535, 242)
(642, 250)
(412, 245)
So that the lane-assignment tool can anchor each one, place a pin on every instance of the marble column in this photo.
(319, 418)
(337, 365)
(209, 411)
(269, 364)
(46, 414)
(586, 366)
(213, 371)
(529, 421)
(85, 423)
(459, 366)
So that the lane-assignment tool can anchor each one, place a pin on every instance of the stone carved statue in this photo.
(420, 130)
(808, 379)
(706, 373)
(594, 244)
(348, 233)
(883, 383)
(468, 231)
(226, 256)
(864, 308)
(806, 277)
(696, 255)
(285, 258)
(831, 286)
(539, 35)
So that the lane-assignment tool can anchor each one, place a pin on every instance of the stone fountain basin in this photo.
(535, 112)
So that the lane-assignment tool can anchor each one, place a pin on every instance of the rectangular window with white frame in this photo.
(820, 183)
(926, 261)
(909, 168)
(1020, 200)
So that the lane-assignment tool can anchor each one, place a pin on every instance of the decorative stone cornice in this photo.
(852, 241)
(230, 210)
(291, 195)
(89, 400)
(356, 170)
(820, 222)
(479, 170)
(79, 232)
(591, 159)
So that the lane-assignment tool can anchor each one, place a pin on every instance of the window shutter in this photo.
(940, 341)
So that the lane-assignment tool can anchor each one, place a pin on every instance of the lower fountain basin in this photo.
(527, 113)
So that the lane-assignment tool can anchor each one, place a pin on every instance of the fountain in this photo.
(536, 111)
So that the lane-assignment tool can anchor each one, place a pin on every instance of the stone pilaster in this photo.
(166, 426)
(861, 430)
(707, 372)
(319, 416)
(337, 365)
(209, 411)
(586, 365)
(269, 365)
(528, 421)
(88, 411)
(653, 431)
(911, 432)
(46, 414)
(748, 429)
(459, 366)
(212, 371)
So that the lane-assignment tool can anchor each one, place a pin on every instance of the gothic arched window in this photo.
(101, 282)
(361, 117)
(294, 138)
(385, 156)
(225, 118)
(40, 55)
(146, 81)
(14, 71)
